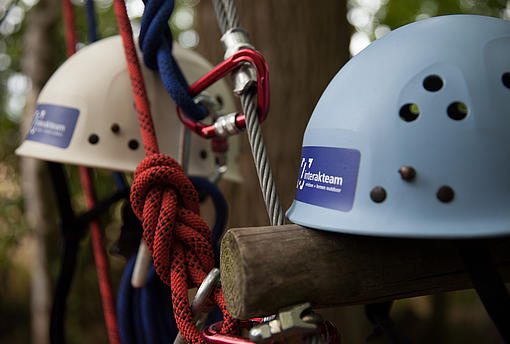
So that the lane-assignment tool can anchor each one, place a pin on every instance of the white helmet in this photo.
(85, 114)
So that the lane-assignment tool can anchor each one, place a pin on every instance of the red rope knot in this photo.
(164, 199)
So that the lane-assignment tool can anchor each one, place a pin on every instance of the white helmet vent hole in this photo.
(506, 79)
(93, 139)
(115, 128)
(409, 112)
(219, 99)
(433, 83)
(133, 144)
(203, 154)
(457, 111)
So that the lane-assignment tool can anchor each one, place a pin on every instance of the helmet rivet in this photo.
(115, 128)
(378, 194)
(133, 144)
(93, 139)
(407, 173)
(445, 194)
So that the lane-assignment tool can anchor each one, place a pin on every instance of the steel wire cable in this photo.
(226, 12)
(228, 18)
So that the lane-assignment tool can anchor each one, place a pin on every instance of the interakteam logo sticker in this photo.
(328, 177)
(53, 125)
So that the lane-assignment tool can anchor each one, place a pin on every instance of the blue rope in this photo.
(91, 21)
(120, 181)
(156, 43)
(125, 306)
(221, 209)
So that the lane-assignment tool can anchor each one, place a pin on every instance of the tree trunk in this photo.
(304, 43)
(38, 62)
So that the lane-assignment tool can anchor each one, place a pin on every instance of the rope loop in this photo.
(156, 44)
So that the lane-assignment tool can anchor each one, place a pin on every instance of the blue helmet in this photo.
(412, 136)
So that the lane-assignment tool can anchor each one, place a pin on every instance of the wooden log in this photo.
(266, 268)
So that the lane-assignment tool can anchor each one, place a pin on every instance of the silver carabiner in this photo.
(200, 300)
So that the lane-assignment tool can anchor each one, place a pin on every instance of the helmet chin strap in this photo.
(487, 283)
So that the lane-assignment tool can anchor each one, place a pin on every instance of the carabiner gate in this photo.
(242, 56)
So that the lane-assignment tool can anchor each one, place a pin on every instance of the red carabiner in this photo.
(242, 56)
(212, 334)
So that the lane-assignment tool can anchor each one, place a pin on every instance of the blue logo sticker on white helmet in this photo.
(53, 125)
(327, 177)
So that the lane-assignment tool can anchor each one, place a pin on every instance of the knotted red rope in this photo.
(164, 199)
(96, 231)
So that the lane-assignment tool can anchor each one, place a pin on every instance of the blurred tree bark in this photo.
(38, 63)
(304, 43)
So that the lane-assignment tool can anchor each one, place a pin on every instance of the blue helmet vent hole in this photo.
(433, 83)
(506, 79)
(409, 112)
(457, 111)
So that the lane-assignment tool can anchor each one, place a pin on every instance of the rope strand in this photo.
(96, 231)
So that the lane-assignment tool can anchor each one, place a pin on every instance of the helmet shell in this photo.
(454, 70)
(86, 114)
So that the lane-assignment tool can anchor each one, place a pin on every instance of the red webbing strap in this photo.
(164, 199)
(96, 231)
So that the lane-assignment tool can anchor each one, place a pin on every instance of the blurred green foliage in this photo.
(400, 12)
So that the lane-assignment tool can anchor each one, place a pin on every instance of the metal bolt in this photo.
(115, 128)
(378, 194)
(445, 194)
(407, 172)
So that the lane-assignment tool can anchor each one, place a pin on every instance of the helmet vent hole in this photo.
(433, 83)
(409, 112)
(457, 111)
(93, 139)
(219, 99)
(133, 144)
(203, 154)
(506, 79)
(378, 194)
(115, 128)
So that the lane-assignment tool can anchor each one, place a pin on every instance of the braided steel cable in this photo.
(228, 18)
(226, 12)
(258, 149)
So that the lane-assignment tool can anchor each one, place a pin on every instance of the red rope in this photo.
(69, 24)
(96, 231)
(164, 199)
(101, 259)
